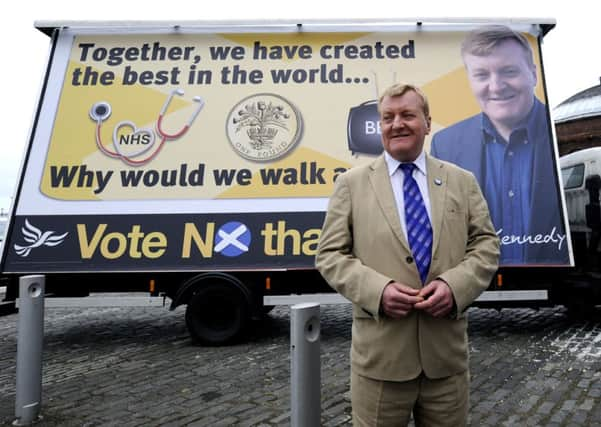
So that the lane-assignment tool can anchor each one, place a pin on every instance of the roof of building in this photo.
(584, 104)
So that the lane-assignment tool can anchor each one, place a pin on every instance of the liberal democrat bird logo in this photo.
(37, 238)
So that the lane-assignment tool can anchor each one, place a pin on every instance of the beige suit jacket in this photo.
(362, 248)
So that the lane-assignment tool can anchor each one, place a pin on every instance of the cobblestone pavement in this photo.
(138, 367)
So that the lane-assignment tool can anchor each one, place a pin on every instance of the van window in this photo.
(573, 176)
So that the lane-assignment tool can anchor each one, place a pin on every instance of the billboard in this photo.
(198, 150)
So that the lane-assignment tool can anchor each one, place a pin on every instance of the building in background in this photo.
(578, 121)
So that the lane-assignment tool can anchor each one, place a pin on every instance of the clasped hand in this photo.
(435, 299)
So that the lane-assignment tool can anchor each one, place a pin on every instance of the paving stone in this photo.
(587, 405)
(579, 417)
(568, 405)
(545, 408)
(138, 367)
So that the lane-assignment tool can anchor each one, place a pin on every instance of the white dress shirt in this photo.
(397, 179)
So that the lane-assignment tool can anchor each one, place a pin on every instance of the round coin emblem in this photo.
(263, 127)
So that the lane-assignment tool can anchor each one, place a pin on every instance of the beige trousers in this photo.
(434, 402)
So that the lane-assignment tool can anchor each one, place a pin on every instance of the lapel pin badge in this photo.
(437, 181)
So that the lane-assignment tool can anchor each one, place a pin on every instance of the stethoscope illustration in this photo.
(101, 111)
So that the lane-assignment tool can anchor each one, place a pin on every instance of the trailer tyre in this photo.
(580, 311)
(266, 309)
(217, 313)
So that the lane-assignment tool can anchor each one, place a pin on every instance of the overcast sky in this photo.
(570, 51)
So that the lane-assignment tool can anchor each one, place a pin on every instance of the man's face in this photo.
(404, 126)
(503, 83)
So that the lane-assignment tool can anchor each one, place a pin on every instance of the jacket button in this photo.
(409, 260)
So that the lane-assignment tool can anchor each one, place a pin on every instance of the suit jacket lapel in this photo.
(437, 189)
(380, 181)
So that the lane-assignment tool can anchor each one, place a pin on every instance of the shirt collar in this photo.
(393, 164)
(527, 124)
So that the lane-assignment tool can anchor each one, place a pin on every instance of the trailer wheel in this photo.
(217, 313)
(267, 309)
(580, 311)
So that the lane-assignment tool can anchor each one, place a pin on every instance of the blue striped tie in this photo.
(419, 230)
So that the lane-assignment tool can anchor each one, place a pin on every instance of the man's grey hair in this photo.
(400, 89)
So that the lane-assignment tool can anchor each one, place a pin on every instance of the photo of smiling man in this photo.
(508, 147)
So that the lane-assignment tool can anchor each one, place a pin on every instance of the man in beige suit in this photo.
(409, 338)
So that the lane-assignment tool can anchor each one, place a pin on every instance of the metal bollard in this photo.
(305, 389)
(30, 338)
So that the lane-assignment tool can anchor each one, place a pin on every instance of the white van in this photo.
(3, 226)
(577, 169)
